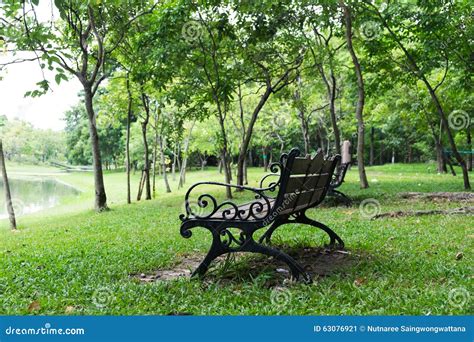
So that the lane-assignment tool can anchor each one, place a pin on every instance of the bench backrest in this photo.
(339, 175)
(304, 181)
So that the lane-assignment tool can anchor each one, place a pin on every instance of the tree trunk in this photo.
(227, 172)
(469, 147)
(372, 134)
(319, 137)
(302, 116)
(146, 159)
(360, 102)
(265, 159)
(248, 135)
(246, 181)
(332, 111)
(6, 185)
(220, 165)
(224, 152)
(393, 156)
(140, 186)
(155, 154)
(331, 88)
(127, 143)
(440, 159)
(173, 167)
(382, 151)
(182, 171)
(163, 164)
(100, 196)
(203, 159)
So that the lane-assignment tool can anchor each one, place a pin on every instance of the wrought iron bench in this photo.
(337, 181)
(301, 184)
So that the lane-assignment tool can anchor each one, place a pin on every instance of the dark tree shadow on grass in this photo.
(243, 267)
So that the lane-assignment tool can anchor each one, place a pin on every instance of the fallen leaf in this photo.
(282, 270)
(459, 256)
(69, 309)
(359, 281)
(34, 306)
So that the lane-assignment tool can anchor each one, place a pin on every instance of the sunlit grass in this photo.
(64, 257)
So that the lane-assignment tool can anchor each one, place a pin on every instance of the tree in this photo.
(324, 45)
(6, 185)
(361, 98)
(440, 29)
(81, 46)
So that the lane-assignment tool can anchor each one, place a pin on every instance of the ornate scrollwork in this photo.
(227, 210)
(276, 170)
(228, 239)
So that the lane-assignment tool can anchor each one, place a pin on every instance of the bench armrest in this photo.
(229, 209)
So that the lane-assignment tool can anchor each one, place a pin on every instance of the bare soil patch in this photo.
(237, 267)
(436, 196)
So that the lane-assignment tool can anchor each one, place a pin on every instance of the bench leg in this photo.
(249, 245)
(347, 201)
(332, 235)
(213, 253)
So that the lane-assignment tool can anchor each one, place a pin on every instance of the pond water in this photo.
(33, 195)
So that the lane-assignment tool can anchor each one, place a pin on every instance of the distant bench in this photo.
(337, 181)
(302, 183)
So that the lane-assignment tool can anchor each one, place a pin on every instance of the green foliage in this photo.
(77, 139)
(24, 143)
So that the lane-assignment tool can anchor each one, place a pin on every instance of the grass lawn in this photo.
(71, 260)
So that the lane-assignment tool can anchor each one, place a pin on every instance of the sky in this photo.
(43, 112)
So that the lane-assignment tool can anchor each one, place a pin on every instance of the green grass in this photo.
(70, 258)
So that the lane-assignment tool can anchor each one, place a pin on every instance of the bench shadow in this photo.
(244, 267)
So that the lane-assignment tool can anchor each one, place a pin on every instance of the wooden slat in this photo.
(307, 165)
(300, 200)
(302, 182)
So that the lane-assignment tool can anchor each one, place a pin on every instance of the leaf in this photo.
(359, 281)
(69, 309)
(34, 306)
